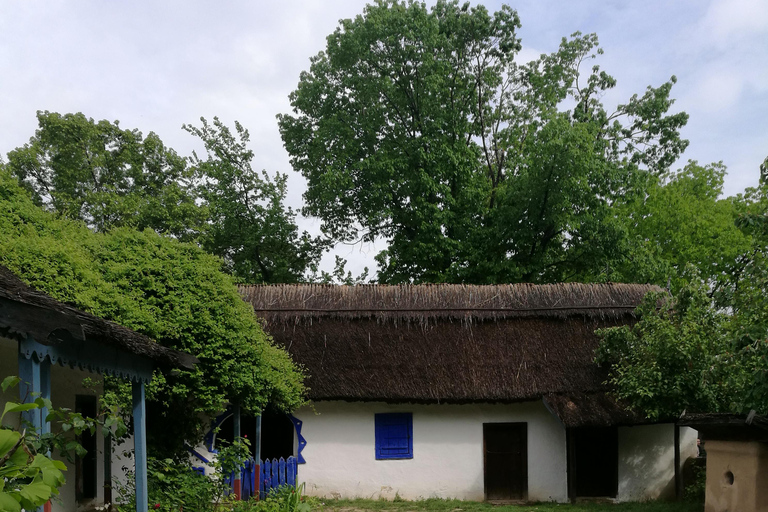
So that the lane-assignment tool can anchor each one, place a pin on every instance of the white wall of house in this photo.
(647, 460)
(447, 451)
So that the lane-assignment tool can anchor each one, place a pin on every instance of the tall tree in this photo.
(249, 225)
(682, 225)
(418, 126)
(706, 347)
(107, 176)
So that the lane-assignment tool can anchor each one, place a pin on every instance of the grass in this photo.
(440, 505)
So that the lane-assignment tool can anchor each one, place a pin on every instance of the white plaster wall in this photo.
(447, 451)
(647, 460)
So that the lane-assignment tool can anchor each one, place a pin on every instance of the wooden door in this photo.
(505, 447)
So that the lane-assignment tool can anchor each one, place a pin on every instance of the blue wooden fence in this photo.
(271, 474)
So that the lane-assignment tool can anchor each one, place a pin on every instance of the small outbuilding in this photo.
(737, 460)
(470, 392)
(53, 347)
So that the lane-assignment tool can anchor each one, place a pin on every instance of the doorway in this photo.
(505, 456)
(593, 462)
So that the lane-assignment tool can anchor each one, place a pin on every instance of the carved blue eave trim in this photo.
(210, 437)
(91, 356)
(297, 424)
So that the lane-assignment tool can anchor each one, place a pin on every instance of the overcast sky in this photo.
(154, 65)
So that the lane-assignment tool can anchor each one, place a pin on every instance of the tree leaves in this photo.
(418, 126)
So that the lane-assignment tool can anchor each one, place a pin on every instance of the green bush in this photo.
(170, 291)
(285, 498)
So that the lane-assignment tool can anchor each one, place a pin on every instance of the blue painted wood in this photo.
(394, 436)
(290, 471)
(260, 481)
(91, 356)
(246, 480)
(281, 471)
(30, 388)
(140, 446)
(297, 424)
(210, 436)
(267, 478)
(197, 454)
(45, 392)
(275, 472)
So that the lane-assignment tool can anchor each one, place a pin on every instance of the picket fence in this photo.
(271, 474)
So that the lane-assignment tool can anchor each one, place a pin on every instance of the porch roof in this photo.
(52, 328)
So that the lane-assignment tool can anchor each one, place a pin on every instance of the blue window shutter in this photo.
(394, 435)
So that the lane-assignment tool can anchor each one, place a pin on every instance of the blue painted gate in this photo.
(270, 473)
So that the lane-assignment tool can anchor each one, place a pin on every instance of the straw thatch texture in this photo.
(441, 301)
(25, 311)
(594, 409)
(450, 343)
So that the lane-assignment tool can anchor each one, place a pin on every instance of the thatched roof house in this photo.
(477, 392)
(452, 343)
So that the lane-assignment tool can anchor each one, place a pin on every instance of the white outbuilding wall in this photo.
(647, 460)
(447, 451)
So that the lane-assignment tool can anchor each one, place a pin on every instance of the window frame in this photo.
(392, 419)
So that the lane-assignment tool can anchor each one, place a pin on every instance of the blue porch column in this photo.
(140, 446)
(35, 382)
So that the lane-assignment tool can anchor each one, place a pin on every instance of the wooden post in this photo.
(257, 457)
(36, 382)
(30, 388)
(237, 434)
(678, 472)
(140, 446)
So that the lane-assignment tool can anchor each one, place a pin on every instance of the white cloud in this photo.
(726, 19)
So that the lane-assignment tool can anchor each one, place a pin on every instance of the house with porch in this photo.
(470, 392)
(53, 347)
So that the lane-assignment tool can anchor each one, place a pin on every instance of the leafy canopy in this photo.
(705, 348)
(249, 226)
(111, 177)
(416, 125)
(106, 176)
(173, 292)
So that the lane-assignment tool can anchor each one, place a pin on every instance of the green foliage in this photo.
(418, 126)
(672, 359)
(107, 176)
(29, 476)
(706, 348)
(285, 498)
(680, 226)
(250, 227)
(174, 485)
(171, 291)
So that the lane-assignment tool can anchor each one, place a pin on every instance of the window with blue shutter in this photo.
(394, 435)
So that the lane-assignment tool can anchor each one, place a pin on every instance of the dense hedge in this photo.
(171, 291)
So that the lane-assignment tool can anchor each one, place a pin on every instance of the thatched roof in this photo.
(444, 301)
(450, 343)
(727, 427)
(25, 311)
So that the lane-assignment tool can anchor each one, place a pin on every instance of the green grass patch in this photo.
(440, 505)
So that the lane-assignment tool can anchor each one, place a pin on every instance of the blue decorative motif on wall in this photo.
(297, 423)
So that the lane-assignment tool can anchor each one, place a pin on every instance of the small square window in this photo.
(394, 436)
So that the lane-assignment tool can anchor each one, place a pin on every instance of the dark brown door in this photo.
(505, 447)
(593, 466)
